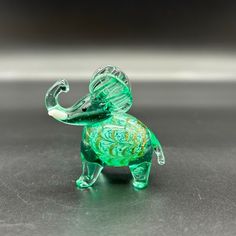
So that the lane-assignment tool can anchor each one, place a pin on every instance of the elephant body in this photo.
(118, 141)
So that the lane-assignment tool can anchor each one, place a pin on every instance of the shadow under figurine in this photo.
(111, 137)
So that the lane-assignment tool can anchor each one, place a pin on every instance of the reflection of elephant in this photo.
(110, 136)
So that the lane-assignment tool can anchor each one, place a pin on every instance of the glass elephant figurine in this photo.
(111, 137)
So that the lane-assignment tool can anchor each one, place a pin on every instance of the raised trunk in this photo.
(51, 98)
(54, 108)
(81, 113)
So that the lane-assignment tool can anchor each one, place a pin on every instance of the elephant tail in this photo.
(157, 149)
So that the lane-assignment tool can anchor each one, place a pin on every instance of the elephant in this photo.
(110, 136)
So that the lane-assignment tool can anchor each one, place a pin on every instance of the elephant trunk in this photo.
(51, 98)
(83, 112)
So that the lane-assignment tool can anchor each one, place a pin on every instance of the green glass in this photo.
(111, 137)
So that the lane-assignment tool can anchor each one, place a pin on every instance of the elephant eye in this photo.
(84, 109)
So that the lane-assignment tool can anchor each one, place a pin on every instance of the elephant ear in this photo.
(111, 86)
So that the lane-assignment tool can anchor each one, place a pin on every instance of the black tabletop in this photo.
(193, 194)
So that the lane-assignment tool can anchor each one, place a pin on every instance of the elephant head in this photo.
(109, 93)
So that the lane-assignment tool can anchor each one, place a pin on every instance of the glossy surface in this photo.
(193, 194)
(110, 137)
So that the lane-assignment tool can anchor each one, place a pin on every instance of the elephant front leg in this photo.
(140, 173)
(90, 173)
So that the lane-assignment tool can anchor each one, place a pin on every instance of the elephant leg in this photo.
(140, 173)
(90, 173)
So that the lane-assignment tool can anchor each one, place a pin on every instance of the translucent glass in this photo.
(111, 137)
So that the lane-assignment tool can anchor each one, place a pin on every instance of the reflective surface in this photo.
(193, 194)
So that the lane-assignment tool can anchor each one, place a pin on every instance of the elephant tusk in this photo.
(57, 114)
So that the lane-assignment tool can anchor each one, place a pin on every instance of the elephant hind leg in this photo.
(140, 173)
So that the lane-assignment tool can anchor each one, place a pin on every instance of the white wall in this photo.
(138, 64)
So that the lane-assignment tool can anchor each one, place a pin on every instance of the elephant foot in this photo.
(82, 183)
(91, 171)
(140, 173)
(139, 185)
